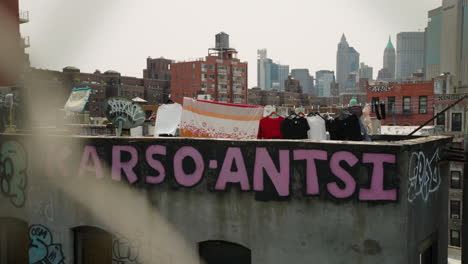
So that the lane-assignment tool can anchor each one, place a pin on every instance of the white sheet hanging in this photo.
(168, 119)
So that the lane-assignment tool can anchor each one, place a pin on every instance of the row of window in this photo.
(456, 121)
(407, 109)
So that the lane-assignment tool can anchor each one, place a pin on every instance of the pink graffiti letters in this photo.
(181, 177)
(258, 169)
(127, 167)
(342, 174)
(156, 164)
(96, 167)
(280, 178)
(376, 191)
(312, 185)
(233, 155)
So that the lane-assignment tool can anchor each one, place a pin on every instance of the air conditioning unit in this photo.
(454, 216)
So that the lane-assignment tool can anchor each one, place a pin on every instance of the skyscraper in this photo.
(366, 72)
(389, 59)
(270, 75)
(342, 63)
(410, 54)
(353, 60)
(324, 81)
(303, 76)
(447, 42)
(283, 73)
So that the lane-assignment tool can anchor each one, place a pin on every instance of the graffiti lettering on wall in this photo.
(125, 110)
(42, 249)
(13, 172)
(44, 208)
(125, 251)
(424, 175)
(324, 172)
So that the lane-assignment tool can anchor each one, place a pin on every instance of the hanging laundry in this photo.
(376, 110)
(382, 110)
(346, 127)
(167, 119)
(268, 110)
(270, 127)
(295, 127)
(219, 120)
(317, 129)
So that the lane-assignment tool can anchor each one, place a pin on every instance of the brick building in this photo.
(257, 96)
(158, 69)
(52, 88)
(408, 104)
(220, 75)
(292, 85)
(13, 59)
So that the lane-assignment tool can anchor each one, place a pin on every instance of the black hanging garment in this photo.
(382, 110)
(376, 110)
(295, 127)
(347, 127)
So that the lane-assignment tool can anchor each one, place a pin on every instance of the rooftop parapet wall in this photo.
(349, 199)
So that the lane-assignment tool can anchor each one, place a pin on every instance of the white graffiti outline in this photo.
(424, 175)
(122, 107)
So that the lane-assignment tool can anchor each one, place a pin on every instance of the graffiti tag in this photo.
(125, 251)
(42, 249)
(424, 175)
(122, 109)
(13, 172)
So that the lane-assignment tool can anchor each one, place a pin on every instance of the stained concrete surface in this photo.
(454, 256)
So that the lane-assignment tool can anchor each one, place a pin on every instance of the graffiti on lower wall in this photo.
(13, 172)
(42, 249)
(424, 175)
(126, 251)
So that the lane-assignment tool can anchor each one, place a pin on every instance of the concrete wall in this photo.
(287, 201)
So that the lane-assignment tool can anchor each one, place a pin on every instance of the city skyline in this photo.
(118, 35)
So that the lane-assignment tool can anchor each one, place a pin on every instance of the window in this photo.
(456, 121)
(375, 100)
(14, 241)
(454, 209)
(455, 238)
(441, 120)
(92, 245)
(423, 104)
(455, 182)
(391, 104)
(406, 105)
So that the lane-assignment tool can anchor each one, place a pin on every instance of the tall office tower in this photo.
(303, 76)
(263, 70)
(353, 60)
(410, 54)
(324, 81)
(389, 59)
(342, 63)
(283, 73)
(270, 75)
(447, 42)
(366, 72)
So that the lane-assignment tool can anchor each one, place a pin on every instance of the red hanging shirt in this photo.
(269, 128)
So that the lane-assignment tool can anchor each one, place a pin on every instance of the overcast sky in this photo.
(121, 34)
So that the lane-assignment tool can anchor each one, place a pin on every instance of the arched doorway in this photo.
(92, 245)
(223, 252)
(14, 241)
